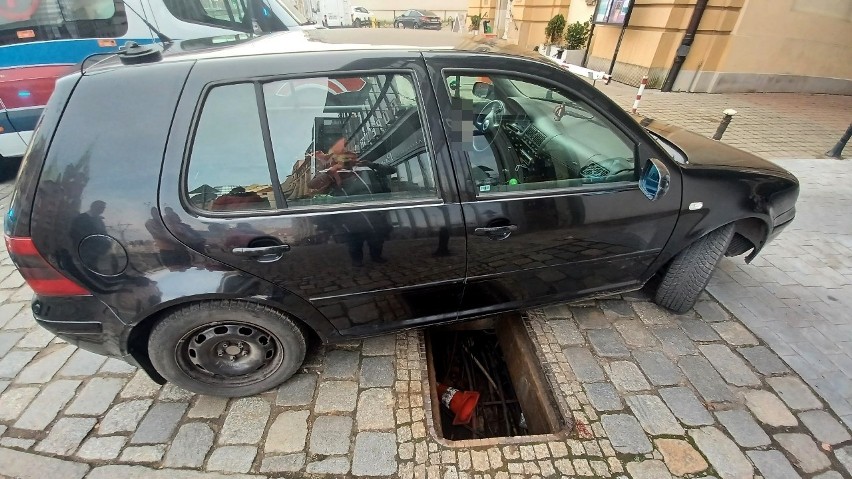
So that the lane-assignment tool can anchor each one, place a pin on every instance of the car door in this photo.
(549, 184)
(366, 223)
(411, 18)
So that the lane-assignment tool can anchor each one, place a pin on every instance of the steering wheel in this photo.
(488, 121)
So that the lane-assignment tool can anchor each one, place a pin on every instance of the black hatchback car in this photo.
(418, 19)
(202, 214)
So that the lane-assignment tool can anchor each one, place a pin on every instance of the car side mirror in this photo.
(483, 90)
(655, 179)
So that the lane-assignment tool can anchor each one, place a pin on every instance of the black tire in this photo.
(739, 245)
(690, 271)
(417, 26)
(226, 348)
(357, 23)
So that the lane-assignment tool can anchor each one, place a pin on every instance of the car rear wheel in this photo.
(690, 271)
(416, 26)
(226, 348)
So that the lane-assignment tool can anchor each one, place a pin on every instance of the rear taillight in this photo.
(38, 273)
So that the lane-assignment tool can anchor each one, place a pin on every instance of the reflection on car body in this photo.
(291, 185)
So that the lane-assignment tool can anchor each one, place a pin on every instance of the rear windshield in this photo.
(38, 20)
(428, 13)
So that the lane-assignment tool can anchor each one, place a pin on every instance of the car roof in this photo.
(349, 39)
(343, 39)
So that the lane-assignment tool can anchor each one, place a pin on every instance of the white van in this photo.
(330, 13)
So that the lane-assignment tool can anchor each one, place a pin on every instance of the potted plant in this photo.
(553, 32)
(576, 37)
(474, 22)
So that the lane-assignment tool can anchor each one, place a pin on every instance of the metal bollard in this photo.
(639, 94)
(838, 148)
(726, 120)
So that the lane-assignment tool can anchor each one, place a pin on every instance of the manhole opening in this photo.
(495, 359)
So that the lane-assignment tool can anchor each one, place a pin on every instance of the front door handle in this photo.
(496, 232)
(262, 250)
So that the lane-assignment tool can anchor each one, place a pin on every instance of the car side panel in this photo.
(356, 300)
(751, 198)
(105, 156)
(570, 243)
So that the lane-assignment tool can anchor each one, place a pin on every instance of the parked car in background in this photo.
(42, 40)
(420, 179)
(361, 17)
(418, 19)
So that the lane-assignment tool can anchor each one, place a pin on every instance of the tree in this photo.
(577, 35)
(554, 29)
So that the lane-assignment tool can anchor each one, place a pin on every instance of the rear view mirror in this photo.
(655, 179)
(483, 90)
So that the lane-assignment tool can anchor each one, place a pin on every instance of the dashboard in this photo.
(575, 146)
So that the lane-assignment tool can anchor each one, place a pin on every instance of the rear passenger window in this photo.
(332, 140)
(227, 167)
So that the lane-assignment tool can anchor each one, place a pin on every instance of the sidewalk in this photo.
(798, 293)
(770, 125)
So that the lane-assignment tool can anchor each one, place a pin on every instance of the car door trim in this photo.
(608, 259)
(374, 291)
(557, 192)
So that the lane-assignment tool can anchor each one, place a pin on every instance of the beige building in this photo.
(739, 45)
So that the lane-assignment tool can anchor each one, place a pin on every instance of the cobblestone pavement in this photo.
(771, 125)
(798, 293)
(650, 394)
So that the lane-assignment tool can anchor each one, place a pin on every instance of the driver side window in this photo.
(520, 135)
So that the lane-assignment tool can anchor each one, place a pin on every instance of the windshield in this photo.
(38, 20)
(295, 14)
(538, 92)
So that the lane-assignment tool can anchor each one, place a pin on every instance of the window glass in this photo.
(230, 14)
(348, 139)
(61, 19)
(520, 135)
(228, 169)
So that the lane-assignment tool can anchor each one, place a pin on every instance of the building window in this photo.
(612, 11)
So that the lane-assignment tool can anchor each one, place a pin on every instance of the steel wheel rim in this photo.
(229, 353)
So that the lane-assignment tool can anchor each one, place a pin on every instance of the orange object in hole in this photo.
(461, 403)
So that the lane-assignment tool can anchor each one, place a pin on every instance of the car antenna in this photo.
(165, 40)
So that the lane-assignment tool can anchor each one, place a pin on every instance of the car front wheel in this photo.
(690, 271)
(357, 23)
(226, 348)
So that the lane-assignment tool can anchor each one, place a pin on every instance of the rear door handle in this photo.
(261, 250)
(496, 232)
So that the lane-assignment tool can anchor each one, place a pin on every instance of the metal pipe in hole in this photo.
(496, 388)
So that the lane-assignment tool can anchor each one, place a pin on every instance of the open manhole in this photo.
(485, 381)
